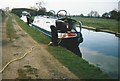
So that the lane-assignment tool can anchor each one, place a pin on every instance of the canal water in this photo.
(101, 50)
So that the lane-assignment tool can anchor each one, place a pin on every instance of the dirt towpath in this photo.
(39, 64)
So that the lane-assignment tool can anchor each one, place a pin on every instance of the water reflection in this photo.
(101, 49)
(100, 41)
(108, 64)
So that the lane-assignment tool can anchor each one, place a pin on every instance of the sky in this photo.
(74, 7)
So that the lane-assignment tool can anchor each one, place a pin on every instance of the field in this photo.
(109, 24)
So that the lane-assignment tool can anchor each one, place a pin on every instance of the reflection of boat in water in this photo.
(63, 30)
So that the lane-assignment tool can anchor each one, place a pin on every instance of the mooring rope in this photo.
(16, 59)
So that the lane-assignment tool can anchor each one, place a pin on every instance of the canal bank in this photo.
(75, 64)
(102, 29)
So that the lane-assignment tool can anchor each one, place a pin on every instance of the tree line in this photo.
(40, 10)
(114, 14)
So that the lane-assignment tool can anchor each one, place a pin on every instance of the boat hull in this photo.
(68, 43)
(72, 45)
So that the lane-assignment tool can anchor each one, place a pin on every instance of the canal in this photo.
(101, 50)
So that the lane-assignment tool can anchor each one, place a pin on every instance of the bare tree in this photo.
(40, 5)
(96, 14)
(93, 14)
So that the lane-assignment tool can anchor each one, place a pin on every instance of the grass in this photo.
(28, 72)
(10, 29)
(77, 65)
(36, 35)
(110, 24)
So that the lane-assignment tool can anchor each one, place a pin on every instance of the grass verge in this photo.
(36, 35)
(109, 24)
(75, 64)
(10, 29)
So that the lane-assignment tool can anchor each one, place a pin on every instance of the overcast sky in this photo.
(72, 6)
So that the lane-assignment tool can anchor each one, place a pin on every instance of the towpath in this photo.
(38, 64)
